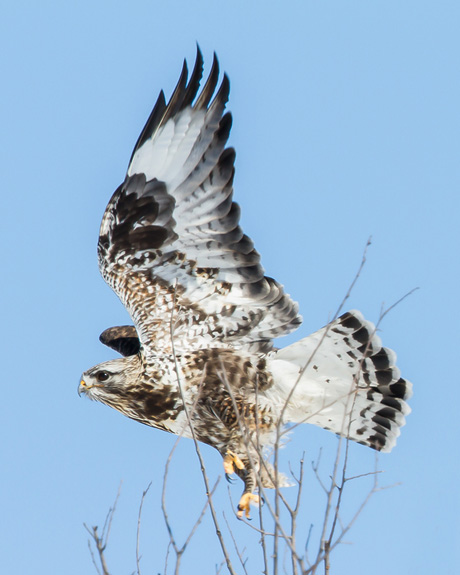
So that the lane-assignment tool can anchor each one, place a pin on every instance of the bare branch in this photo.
(144, 493)
(91, 552)
(384, 312)
(200, 518)
(100, 541)
(197, 448)
(110, 514)
(235, 545)
(100, 547)
(333, 528)
(336, 315)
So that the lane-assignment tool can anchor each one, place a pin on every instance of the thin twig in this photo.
(197, 448)
(235, 545)
(179, 551)
(250, 442)
(92, 554)
(100, 547)
(384, 312)
(263, 540)
(336, 315)
(110, 514)
(100, 541)
(307, 542)
(295, 511)
(144, 493)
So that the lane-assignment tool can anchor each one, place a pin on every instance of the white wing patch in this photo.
(164, 156)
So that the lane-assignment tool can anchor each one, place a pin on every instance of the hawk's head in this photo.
(111, 382)
(129, 387)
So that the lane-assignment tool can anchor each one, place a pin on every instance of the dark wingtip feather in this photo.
(224, 90)
(175, 102)
(152, 123)
(183, 95)
(208, 89)
(225, 125)
(195, 79)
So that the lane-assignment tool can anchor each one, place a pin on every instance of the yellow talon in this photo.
(230, 460)
(244, 504)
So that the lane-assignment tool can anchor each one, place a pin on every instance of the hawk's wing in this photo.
(122, 338)
(170, 245)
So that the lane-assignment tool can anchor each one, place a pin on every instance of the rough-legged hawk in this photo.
(200, 355)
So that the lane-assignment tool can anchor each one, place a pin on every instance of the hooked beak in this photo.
(82, 387)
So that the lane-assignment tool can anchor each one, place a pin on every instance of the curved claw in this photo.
(229, 478)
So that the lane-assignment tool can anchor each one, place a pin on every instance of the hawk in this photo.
(199, 360)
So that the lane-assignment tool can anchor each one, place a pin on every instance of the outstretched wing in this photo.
(170, 245)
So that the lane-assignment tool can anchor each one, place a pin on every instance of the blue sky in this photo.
(346, 126)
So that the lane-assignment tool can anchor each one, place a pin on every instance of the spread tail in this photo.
(342, 379)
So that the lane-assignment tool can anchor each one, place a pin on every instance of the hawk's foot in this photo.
(244, 504)
(231, 460)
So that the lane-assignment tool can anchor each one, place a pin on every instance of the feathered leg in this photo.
(234, 464)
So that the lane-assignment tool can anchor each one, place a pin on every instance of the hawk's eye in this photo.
(102, 375)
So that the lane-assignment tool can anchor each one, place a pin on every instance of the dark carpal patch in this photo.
(123, 339)
(139, 218)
